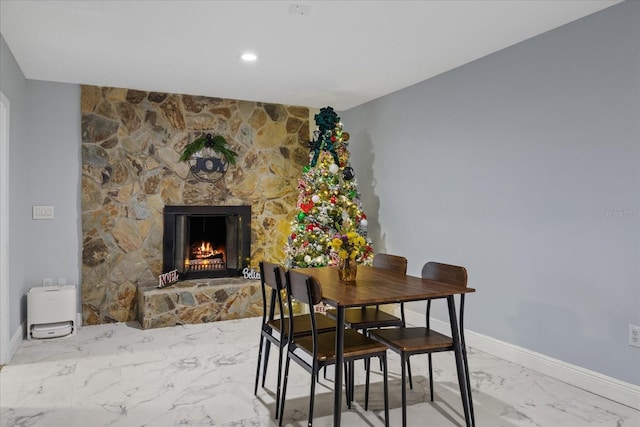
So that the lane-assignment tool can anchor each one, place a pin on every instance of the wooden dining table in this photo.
(379, 286)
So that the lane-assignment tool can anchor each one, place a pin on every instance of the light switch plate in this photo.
(43, 212)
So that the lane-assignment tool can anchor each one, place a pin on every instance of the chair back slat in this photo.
(307, 290)
(271, 276)
(304, 288)
(452, 274)
(395, 263)
(446, 273)
(269, 273)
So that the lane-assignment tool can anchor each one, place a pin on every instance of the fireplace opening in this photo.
(207, 238)
(206, 241)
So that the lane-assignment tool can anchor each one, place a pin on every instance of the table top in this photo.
(378, 286)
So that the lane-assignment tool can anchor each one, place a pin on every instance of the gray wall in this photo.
(14, 86)
(44, 170)
(524, 167)
(53, 178)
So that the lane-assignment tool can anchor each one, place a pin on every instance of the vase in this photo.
(347, 269)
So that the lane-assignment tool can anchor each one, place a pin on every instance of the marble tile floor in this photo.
(196, 375)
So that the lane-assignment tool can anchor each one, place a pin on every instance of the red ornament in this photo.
(305, 244)
(333, 139)
(333, 199)
(306, 207)
(310, 227)
(293, 236)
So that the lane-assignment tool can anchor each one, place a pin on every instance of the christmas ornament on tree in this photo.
(330, 225)
(348, 173)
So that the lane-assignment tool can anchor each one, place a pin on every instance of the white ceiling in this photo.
(338, 53)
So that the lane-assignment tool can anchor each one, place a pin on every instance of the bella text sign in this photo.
(250, 274)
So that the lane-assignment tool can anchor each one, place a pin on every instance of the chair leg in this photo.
(312, 397)
(266, 361)
(255, 390)
(383, 358)
(404, 389)
(430, 377)
(409, 373)
(280, 352)
(352, 380)
(366, 387)
(283, 398)
(466, 373)
(347, 386)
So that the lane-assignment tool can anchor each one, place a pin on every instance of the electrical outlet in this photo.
(634, 335)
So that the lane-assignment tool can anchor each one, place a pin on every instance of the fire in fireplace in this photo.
(206, 241)
(207, 238)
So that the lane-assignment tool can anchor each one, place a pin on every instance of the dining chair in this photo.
(364, 318)
(409, 341)
(275, 326)
(313, 352)
(371, 317)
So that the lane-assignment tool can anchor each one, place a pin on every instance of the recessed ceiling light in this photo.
(249, 57)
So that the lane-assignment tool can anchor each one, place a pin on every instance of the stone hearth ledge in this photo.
(198, 301)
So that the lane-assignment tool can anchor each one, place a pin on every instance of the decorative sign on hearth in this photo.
(320, 308)
(250, 274)
(167, 279)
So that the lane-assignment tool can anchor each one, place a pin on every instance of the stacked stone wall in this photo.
(131, 144)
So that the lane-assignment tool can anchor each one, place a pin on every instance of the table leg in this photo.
(466, 361)
(337, 398)
(460, 367)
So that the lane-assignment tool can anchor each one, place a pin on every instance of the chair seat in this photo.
(302, 324)
(412, 339)
(356, 345)
(371, 317)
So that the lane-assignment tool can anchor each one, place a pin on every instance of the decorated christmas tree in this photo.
(330, 224)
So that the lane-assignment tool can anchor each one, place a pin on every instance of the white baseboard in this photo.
(16, 339)
(619, 391)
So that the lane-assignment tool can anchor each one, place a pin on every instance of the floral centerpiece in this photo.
(348, 247)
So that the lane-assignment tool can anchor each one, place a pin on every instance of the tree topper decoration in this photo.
(326, 120)
(216, 143)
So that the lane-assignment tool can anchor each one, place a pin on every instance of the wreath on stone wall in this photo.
(201, 155)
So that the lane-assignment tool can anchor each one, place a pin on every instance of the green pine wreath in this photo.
(217, 143)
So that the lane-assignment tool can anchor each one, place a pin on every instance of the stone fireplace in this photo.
(206, 241)
(131, 172)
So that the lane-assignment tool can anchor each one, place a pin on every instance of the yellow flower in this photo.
(336, 244)
(348, 245)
